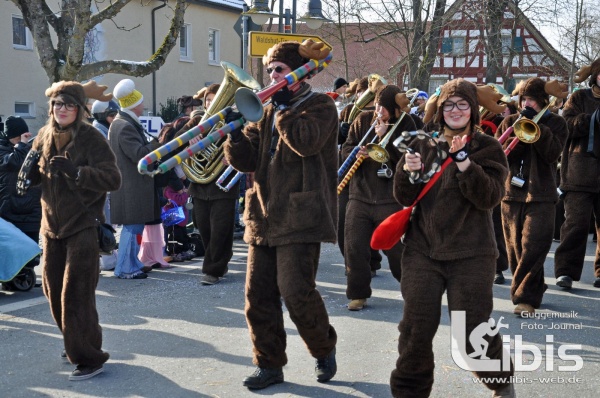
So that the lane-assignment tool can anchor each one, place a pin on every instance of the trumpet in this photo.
(526, 131)
(248, 103)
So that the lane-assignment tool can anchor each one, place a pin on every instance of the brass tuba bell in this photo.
(206, 165)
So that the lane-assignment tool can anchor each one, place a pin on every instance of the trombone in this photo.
(526, 131)
(377, 151)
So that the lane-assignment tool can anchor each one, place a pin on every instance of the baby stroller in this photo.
(20, 255)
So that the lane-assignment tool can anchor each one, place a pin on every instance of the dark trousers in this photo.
(468, 285)
(375, 260)
(528, 228)
(502, 260)
(361, 220)
(215, 221)
(570, 253)
(70, 276)
(286, 272)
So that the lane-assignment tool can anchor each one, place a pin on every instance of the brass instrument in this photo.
(365, 98)
(377, 152)
(206, 165)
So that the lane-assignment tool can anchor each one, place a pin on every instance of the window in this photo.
(454, 46)
(21, 35)
(435, 83)
(24, 109)
(517, 44)
(185, 51)
(214, 44)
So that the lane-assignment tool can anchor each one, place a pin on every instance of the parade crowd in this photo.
(492, 179)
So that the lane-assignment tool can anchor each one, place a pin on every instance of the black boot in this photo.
(499, 278)
(264, 377)
(326, 367)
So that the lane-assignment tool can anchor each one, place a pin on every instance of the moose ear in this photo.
(583, 73)
(488, 98)
(557, 89)
(313, 49)
(431, 108)
(95, 91)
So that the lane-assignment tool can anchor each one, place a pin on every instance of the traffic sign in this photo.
(260, 42)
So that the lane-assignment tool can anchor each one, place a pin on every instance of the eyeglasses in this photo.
(277, 69)
(447, 106)
(58, 106)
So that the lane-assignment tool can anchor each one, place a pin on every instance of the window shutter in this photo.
(446, 45)
(518, 44)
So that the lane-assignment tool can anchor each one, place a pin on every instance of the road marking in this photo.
(5, 309)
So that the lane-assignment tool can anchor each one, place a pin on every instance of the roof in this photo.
(234, 4)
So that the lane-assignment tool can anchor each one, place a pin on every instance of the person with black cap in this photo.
(580, 179)
(104, 112)
(75, 170)
(289, 211)
(528, 205)
(450, 245)
(371, 191)
(186, 105)
(25, 212)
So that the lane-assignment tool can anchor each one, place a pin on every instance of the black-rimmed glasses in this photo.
(447, 106)
(58, 106)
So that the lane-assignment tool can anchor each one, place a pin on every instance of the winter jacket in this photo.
(580, 170)
(365, 185)
(70, 206)
(293, 154)
(23, 211)
(454, 219)
(536, 162)
(136, 202)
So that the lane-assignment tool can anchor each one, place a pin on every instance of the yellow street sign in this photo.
(260, 42)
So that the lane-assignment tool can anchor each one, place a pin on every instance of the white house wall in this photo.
(23, 78)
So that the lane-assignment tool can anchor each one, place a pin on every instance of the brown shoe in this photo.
(522, 308)
(357, 304)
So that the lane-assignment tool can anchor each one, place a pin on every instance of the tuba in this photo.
(369, 95)
(206, 165)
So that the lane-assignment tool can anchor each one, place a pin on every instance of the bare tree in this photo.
(71, 24)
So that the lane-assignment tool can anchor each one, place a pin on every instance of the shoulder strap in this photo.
(429, 184)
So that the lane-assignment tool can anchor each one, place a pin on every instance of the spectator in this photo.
(25, 212)
(137, 201)
(104, 112)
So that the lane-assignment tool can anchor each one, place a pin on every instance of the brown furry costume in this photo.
(371, 198)
(291, 208)
(528, 212)
(70, 208)
(580, 180)
(450, 247)
(344, 196)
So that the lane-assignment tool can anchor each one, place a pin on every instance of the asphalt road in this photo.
(169, 336)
